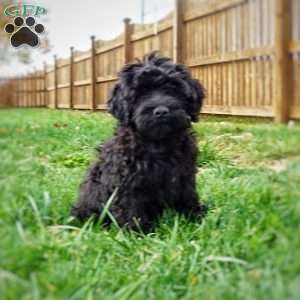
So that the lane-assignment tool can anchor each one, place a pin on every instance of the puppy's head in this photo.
(156, 97)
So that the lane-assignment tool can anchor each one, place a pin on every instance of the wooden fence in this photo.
(245, 52)
(6, 92)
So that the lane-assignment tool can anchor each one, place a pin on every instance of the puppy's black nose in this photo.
(161, 111)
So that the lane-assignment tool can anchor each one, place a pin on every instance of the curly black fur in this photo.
(151, 160)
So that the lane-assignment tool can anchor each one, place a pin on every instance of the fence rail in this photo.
(245, 52)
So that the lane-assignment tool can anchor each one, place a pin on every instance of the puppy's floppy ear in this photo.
(196, 100)
(117, 105)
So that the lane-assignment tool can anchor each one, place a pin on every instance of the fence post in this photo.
(282, 62)
(31, 89)
(72, 78)
(127, 41)
(26, 90)
(55, 83)
(45, 98)
(38, 89)
(32, 86)
(35, 84)
(18, 88)
(27, 98)
(22, 89)
(178, 23)
(93, 72)
(16, 92)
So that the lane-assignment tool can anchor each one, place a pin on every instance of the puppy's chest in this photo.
(162, 172)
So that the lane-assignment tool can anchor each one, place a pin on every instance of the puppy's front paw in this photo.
(82, 212)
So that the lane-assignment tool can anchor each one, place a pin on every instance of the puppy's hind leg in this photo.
(89, 200)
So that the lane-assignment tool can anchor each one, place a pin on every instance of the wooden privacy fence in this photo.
(26, 91)
(245, 52)
(6, 92)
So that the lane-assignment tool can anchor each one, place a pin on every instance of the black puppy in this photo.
(150, 163)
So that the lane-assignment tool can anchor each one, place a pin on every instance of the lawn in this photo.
(247, 247)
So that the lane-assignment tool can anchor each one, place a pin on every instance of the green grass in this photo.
(248, 246)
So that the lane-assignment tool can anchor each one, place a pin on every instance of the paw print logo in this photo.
(24, 32)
